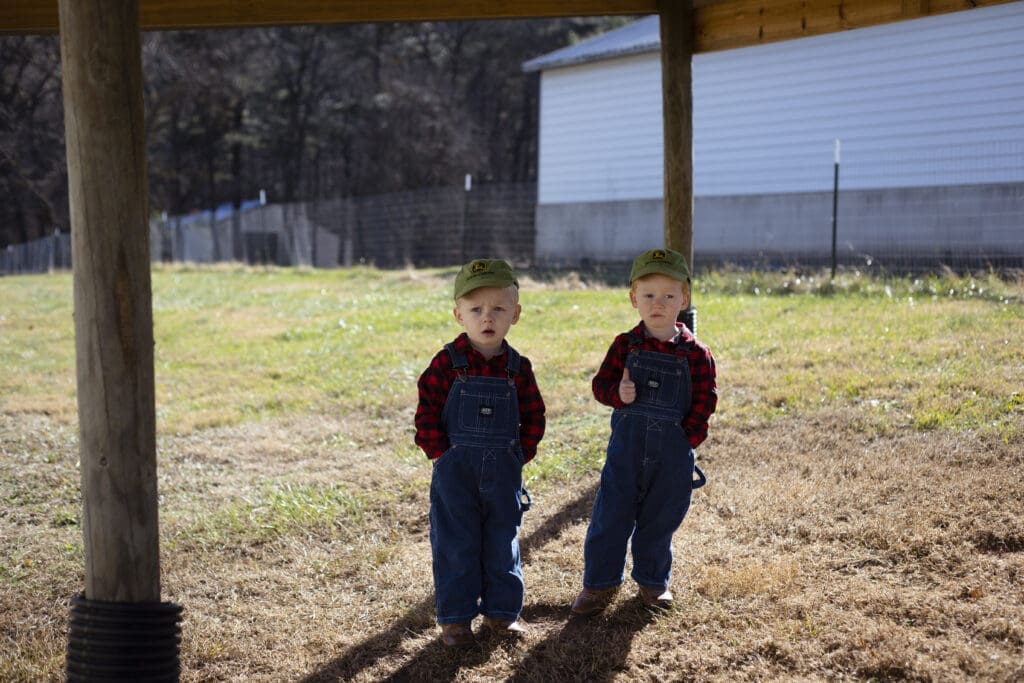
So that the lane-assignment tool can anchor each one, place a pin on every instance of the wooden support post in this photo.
(677, 42)
(103, 119)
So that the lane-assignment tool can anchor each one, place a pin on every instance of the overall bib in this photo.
(477, 499)
(647, 477)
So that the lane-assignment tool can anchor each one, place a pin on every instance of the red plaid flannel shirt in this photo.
(437, 379)
(702, 377)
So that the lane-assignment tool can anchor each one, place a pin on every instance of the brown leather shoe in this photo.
(589, 602)
(657, 598)
(512, 627)
(457, 635)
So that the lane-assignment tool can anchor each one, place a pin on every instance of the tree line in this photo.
(302, 112)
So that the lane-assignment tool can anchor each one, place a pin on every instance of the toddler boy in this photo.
(661, 383)
(479, 419)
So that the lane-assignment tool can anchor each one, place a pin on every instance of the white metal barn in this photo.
(929, 114)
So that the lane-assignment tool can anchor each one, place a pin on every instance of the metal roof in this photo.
(640, 36)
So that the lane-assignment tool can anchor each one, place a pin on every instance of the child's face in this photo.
(487, 313)
(659, 299)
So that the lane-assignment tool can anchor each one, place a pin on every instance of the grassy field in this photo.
(864, 518)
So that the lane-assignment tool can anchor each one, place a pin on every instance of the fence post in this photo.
(312, 246)
(462, 223)
(835, 206)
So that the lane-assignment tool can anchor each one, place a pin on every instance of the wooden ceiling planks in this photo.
(740, 23)
(718, 24)
(40, 16)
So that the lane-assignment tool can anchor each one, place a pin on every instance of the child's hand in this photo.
(627, 390)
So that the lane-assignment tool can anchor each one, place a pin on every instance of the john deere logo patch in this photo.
(658, 255)
(478, 267)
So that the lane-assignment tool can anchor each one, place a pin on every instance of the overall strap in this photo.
(459, 362)
(513, 363)
(636, 340)
(701, 478)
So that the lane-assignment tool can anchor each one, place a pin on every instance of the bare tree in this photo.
(33, 173)
(304, 112)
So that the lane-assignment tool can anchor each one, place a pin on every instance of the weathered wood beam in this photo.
(719, 24)
(676, 22)
(101, 59)
(40, 16)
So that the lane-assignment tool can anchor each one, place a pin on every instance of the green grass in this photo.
(277, 510)
(234, 345)
(906, 361)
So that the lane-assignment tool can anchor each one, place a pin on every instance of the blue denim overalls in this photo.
(647, 477)
(477, 498)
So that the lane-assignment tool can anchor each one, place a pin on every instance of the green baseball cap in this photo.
(484, 272)
(662, 261)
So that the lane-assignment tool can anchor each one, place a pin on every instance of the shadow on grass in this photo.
(574, 512)
(417, 621)
(434, 662)
(593, 649)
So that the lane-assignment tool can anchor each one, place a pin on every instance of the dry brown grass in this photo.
(864, 518)
(817, 552)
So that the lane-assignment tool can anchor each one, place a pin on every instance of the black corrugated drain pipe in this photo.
(122, 641)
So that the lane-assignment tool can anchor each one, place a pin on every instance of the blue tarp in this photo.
(219, 214)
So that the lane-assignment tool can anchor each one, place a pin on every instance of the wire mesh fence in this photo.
(433, 227)
(903, 208)
(37, 256)
(897, 228)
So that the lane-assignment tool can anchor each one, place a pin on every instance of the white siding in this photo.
(600, 131)
(936, 101)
